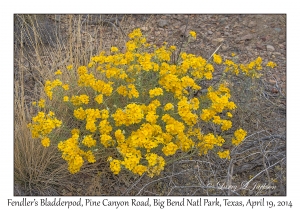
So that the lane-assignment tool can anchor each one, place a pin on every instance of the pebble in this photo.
(252, 24)
(223, 20)
(162, 23)
(57, 18)
(246, 37)
(277, 29)
(282, 37)
(270, 48)
(144, 28)
(217, 41)
(210, 32)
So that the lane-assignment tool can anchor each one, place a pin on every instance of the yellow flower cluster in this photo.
(193, 34)
(239, 136)
(41, 103)
(208, 142)
(129, 91)
(115, 106)
(43, 124)
(49, 86)
(217, 59)
(58, 72)
(219, 102)
(155, 92)
(224, 154)
(79, 100)
(72, 153)
(271, 64)
(132, 114)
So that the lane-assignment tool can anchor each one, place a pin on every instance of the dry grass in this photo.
(73, 40)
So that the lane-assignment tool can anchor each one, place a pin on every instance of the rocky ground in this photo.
(248, 36)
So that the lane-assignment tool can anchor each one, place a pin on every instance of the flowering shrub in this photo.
(141, 104)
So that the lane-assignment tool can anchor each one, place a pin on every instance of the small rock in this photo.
(270, 48)
(246, 37)
(252, 24)
(162, 23)
(277, 29)
(281, 130)
(210, 32)
(282, 37)
(263, 38)
(223, 20)
(57, 18)
(226, 33)
(272, 82)
(224, 47)
(217, 41)
(144, 28)
(184, 29)
(274, 90)
(259, 46)
(157, 33)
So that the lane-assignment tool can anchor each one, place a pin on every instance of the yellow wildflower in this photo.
(41, 103)
(69, 67)
(58, 72)
(271, 64)
(224, 154)
(193, 34)
(66, 98)
(114, 49)
(45, 142)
